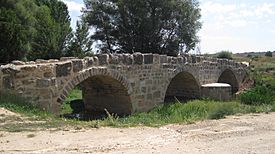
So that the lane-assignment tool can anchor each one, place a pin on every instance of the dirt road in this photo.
(235, 134)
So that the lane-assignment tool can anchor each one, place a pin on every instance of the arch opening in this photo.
(228, 77)
(98, 94)
(183, 87)
(104, 92)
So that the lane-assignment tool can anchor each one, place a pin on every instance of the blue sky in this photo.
(234, 25)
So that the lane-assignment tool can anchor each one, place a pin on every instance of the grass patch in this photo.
(185, 113)
(20, 105)
(165, 114)
(74, 94)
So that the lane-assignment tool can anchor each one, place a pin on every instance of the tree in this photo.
(158, 26)
(16, 29)
(225, 55)
(31, 29)
(53, 30)
(81, 43)
(268, 54)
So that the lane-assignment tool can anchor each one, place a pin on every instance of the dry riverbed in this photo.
(253, 133)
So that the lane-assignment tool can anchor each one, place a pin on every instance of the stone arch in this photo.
(99, 82)
(184, 86)
(228, 76)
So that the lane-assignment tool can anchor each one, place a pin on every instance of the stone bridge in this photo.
(121, 83)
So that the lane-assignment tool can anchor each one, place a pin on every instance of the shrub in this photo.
(225, 55)
(268, 54)
(257, 95)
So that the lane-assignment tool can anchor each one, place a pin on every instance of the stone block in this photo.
(96, 60)
(43, 83)
(77, 65)
(156, 58)
(138, 58)
(29, 68)
(10, 69)
(128, 59)
(48, 74)
(198, 59)
(217, 91)
(163, 59)
(156, 94)
(167, 66)
(8, 82)
(114, 59)
(67, 58)
(103, 59)
(180, 60)
(63, 69)
(148, 59)
(174, 60)
(184, 60)
(28, 81)
(194, 59)
(90, 61)
(17, 62)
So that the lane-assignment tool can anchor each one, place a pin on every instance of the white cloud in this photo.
(237, 12)
(264, 10)
(73, 6)
(211, 7)
(238, 23)
(236, 26)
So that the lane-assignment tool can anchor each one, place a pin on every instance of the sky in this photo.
(233, 25)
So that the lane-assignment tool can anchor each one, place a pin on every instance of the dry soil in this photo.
(254, 133)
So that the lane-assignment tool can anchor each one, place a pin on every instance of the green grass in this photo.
(20, 105)
(74, 94)
(164, 114)
(186, 113)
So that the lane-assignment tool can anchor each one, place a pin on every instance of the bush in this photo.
(268, 54)
(225, 55)
(257, 96)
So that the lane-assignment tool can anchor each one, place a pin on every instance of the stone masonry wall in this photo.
(144, 77)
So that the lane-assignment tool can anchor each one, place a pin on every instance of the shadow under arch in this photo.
(101, 90)
(228, 76)
(183, 86)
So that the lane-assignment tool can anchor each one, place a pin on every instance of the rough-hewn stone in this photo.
(121, 83)
(7, 82)
(103, 59)
(138, 58)
(148, 59)
(63, 69)
(77, 65)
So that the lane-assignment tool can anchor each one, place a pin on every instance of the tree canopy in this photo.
(53, 31)
(158, 26)
(81, 43)
(16, 29)
(32, 29)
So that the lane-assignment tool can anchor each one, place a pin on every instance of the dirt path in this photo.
(236, 134)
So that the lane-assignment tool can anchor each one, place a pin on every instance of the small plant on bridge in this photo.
(225, 55)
